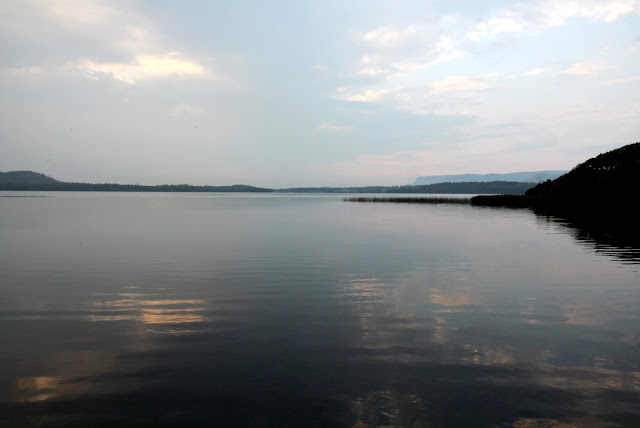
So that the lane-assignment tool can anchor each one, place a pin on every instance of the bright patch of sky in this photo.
(301, 93)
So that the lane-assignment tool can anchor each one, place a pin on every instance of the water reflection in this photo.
(611, 233)
(312, 313)
(137, 307)
(68, 373)
(441, 297)
(519, 365)
(40, 387)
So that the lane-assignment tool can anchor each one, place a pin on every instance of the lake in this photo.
(137, 309)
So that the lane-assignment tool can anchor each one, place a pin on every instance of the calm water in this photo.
(298, 310)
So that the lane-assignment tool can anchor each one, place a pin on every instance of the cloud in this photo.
(397, 63)
(587, 69)
(374, 65)
(536, 72)
(398, 52)
(509, 23)
(401, 50)
(445, 50)
(546, 14)
(104, 40)
(619, 81)
(377, 67)
(393, 37)
(452, 96)
(458, 84)
(557, 13)
(367, 96)
(144, 67)
(552, 136)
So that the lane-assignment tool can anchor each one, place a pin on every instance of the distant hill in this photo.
(29, 180)
(25, 177)
(522, 177)
(494, 187)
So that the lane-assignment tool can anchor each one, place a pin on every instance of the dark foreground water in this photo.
(279, 310)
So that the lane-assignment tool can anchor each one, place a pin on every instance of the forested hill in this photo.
(607, 182)
(610, 175)
(29, 180)
(25, 177)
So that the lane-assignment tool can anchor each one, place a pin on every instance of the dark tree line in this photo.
(110, 187)
(493, 187)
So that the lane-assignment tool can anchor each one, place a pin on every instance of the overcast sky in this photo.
(313, 93)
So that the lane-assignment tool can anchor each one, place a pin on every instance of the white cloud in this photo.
(445, 50)
(108, 30)
(587, 69)
(390, 70)
(399, 63)
(452, 96)
(448, 97)
(367, 96)
(401, 51)
(374, 66)
(393, 37)
(373, 71)
(509, 23)
(549, 13)
(142, 68)
(618, 81)
(458, 84)
(536, 71)
(450, 56)
(558, 12)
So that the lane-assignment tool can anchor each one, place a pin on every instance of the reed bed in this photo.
(409, 200)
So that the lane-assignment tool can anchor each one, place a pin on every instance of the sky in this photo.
(313, 93)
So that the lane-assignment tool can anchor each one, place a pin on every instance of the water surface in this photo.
(125, 309)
